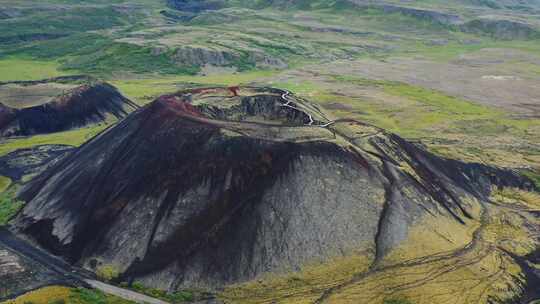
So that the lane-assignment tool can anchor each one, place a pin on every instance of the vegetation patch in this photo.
(45, 295)
(171, 297)
(72, 137)
(99, 55)
(305, 286)
(5, 182)
(65, 295)
(146, 89)
(15, 68)
(93, 296)
(107, 272)
(512, 196)
(9, 205)
(535, 177)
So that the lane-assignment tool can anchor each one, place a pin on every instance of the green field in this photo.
(5, 182)
(145, 89)
(9, 206)
(27, 69)
(72, 137)
(62, 294)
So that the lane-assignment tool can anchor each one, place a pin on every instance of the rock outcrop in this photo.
(212, 186)
(23, 163)
(199, 56)
(85, 103)
(422, 14)
(501, 29)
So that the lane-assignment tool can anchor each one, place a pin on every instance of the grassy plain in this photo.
(61, 294)
(73, 137)
(143, 90)
(13, 68)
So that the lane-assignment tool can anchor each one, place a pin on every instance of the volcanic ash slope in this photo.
(211, 187)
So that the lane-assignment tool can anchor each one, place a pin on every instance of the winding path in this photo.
(285, 96)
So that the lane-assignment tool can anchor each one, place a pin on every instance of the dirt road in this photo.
(82, 277)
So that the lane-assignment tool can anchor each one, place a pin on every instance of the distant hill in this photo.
(58, 104)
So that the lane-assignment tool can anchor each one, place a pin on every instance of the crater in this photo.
(241, 104)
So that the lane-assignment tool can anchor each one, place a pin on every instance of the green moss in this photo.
(535, 177)
(107, 272)
(9, 206)
(92, 296)
(62, 294)
(5, 182)
(174, 297)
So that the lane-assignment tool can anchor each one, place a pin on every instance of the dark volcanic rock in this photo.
(7, 115)
(531, 291)
(265, 107)
(31, 161)
(183, 195)
(86, 104)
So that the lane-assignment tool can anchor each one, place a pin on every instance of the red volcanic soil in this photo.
(180, 105)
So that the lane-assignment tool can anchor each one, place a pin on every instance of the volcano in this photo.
(211, 187)
(53, 105)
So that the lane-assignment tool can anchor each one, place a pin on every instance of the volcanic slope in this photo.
(257, 191)
(59, 104)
